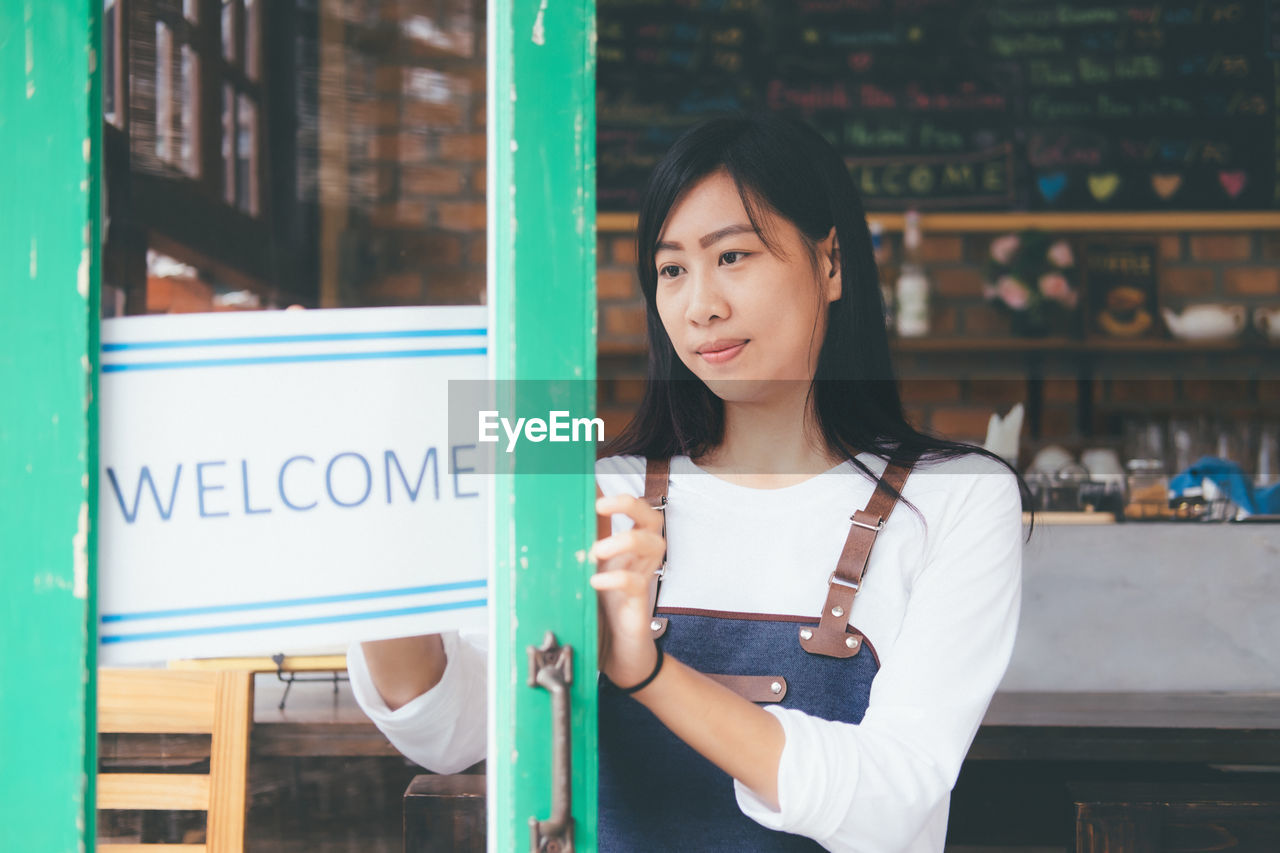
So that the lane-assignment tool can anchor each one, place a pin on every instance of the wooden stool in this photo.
(445, 814)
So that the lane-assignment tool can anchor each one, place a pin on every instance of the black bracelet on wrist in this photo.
(656, 667)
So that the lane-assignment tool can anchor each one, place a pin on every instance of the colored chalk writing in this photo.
(964, 104)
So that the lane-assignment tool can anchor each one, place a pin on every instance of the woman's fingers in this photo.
(641, 551)
(636, 542)
(620, 581)
(641, 547)
(644, 516)
(627, 562)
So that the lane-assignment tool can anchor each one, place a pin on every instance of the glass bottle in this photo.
(1265, 473)
(912, 288)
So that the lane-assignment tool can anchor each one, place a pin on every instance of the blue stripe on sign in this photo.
(290, 359)
(292, 339)
(292, 623)
(293, 602)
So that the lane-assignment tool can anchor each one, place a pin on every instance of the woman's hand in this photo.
(738, 736)
(627, 561)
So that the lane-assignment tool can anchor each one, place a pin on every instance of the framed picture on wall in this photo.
(1121, 288)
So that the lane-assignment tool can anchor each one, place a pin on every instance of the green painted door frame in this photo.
(542, 247)
(542, 272)
(51, 126)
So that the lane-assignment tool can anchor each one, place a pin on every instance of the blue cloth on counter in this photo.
(1231, 481)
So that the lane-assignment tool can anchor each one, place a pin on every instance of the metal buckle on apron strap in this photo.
(831, 578)
(879, 526)
(657, 624)
(661, 506)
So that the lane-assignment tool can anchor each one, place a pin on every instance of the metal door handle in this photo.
(551, 667)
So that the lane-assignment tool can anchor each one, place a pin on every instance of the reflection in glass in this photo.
(246, 161)
(164, 92)
(189, 134)
(110, 59)
(340, 163)
(175, 87)
(229, 34)
(260, 155)
(228, 133)
(253, 38)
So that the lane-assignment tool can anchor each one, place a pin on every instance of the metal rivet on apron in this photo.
(837, 611)
(775, 687)
(806, 634)
(655, 625)
(851, 642)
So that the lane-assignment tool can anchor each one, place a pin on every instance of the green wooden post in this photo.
(542, 242)
(50, 121)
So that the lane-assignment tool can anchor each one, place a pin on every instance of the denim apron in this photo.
(655, 791)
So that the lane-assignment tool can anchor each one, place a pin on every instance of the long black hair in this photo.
(784, 166)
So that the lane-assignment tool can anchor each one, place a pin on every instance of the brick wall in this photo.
(954, 393)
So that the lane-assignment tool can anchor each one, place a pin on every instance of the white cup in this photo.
(1103, 463)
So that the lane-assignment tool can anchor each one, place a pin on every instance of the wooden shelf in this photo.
(971, 345)
(957, 345)
(296, 663)
(1189, 407)
(1073, 518)
(960, 346)
(1163, 346)
(1061, 222)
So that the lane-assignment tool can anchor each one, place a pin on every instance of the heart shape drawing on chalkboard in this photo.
(1104, 186)
(1052, 185)
(1166, 185)
(1232, 182)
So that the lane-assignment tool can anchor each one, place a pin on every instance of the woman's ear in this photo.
(829, 252)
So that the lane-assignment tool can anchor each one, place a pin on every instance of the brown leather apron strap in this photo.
(655, 492)
(754, 688)
(831, 638)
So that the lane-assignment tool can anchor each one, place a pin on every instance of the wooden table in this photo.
(1043, 764)
(1033, 755)
(1211, 728)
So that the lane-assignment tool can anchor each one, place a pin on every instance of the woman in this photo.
(784, 686)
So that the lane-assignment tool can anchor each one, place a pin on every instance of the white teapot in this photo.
(1206, 322)
(1267, 321)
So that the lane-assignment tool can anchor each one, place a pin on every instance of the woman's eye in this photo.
(734, 257)
(668, 271)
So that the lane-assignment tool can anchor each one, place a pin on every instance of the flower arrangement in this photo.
(1029, 274)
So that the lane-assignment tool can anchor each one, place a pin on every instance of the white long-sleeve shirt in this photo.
(940, 607)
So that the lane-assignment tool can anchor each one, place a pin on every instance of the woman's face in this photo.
(720, 289)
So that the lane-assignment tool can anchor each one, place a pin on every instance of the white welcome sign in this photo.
(282, 481)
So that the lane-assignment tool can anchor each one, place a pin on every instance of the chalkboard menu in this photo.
(964, 104)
